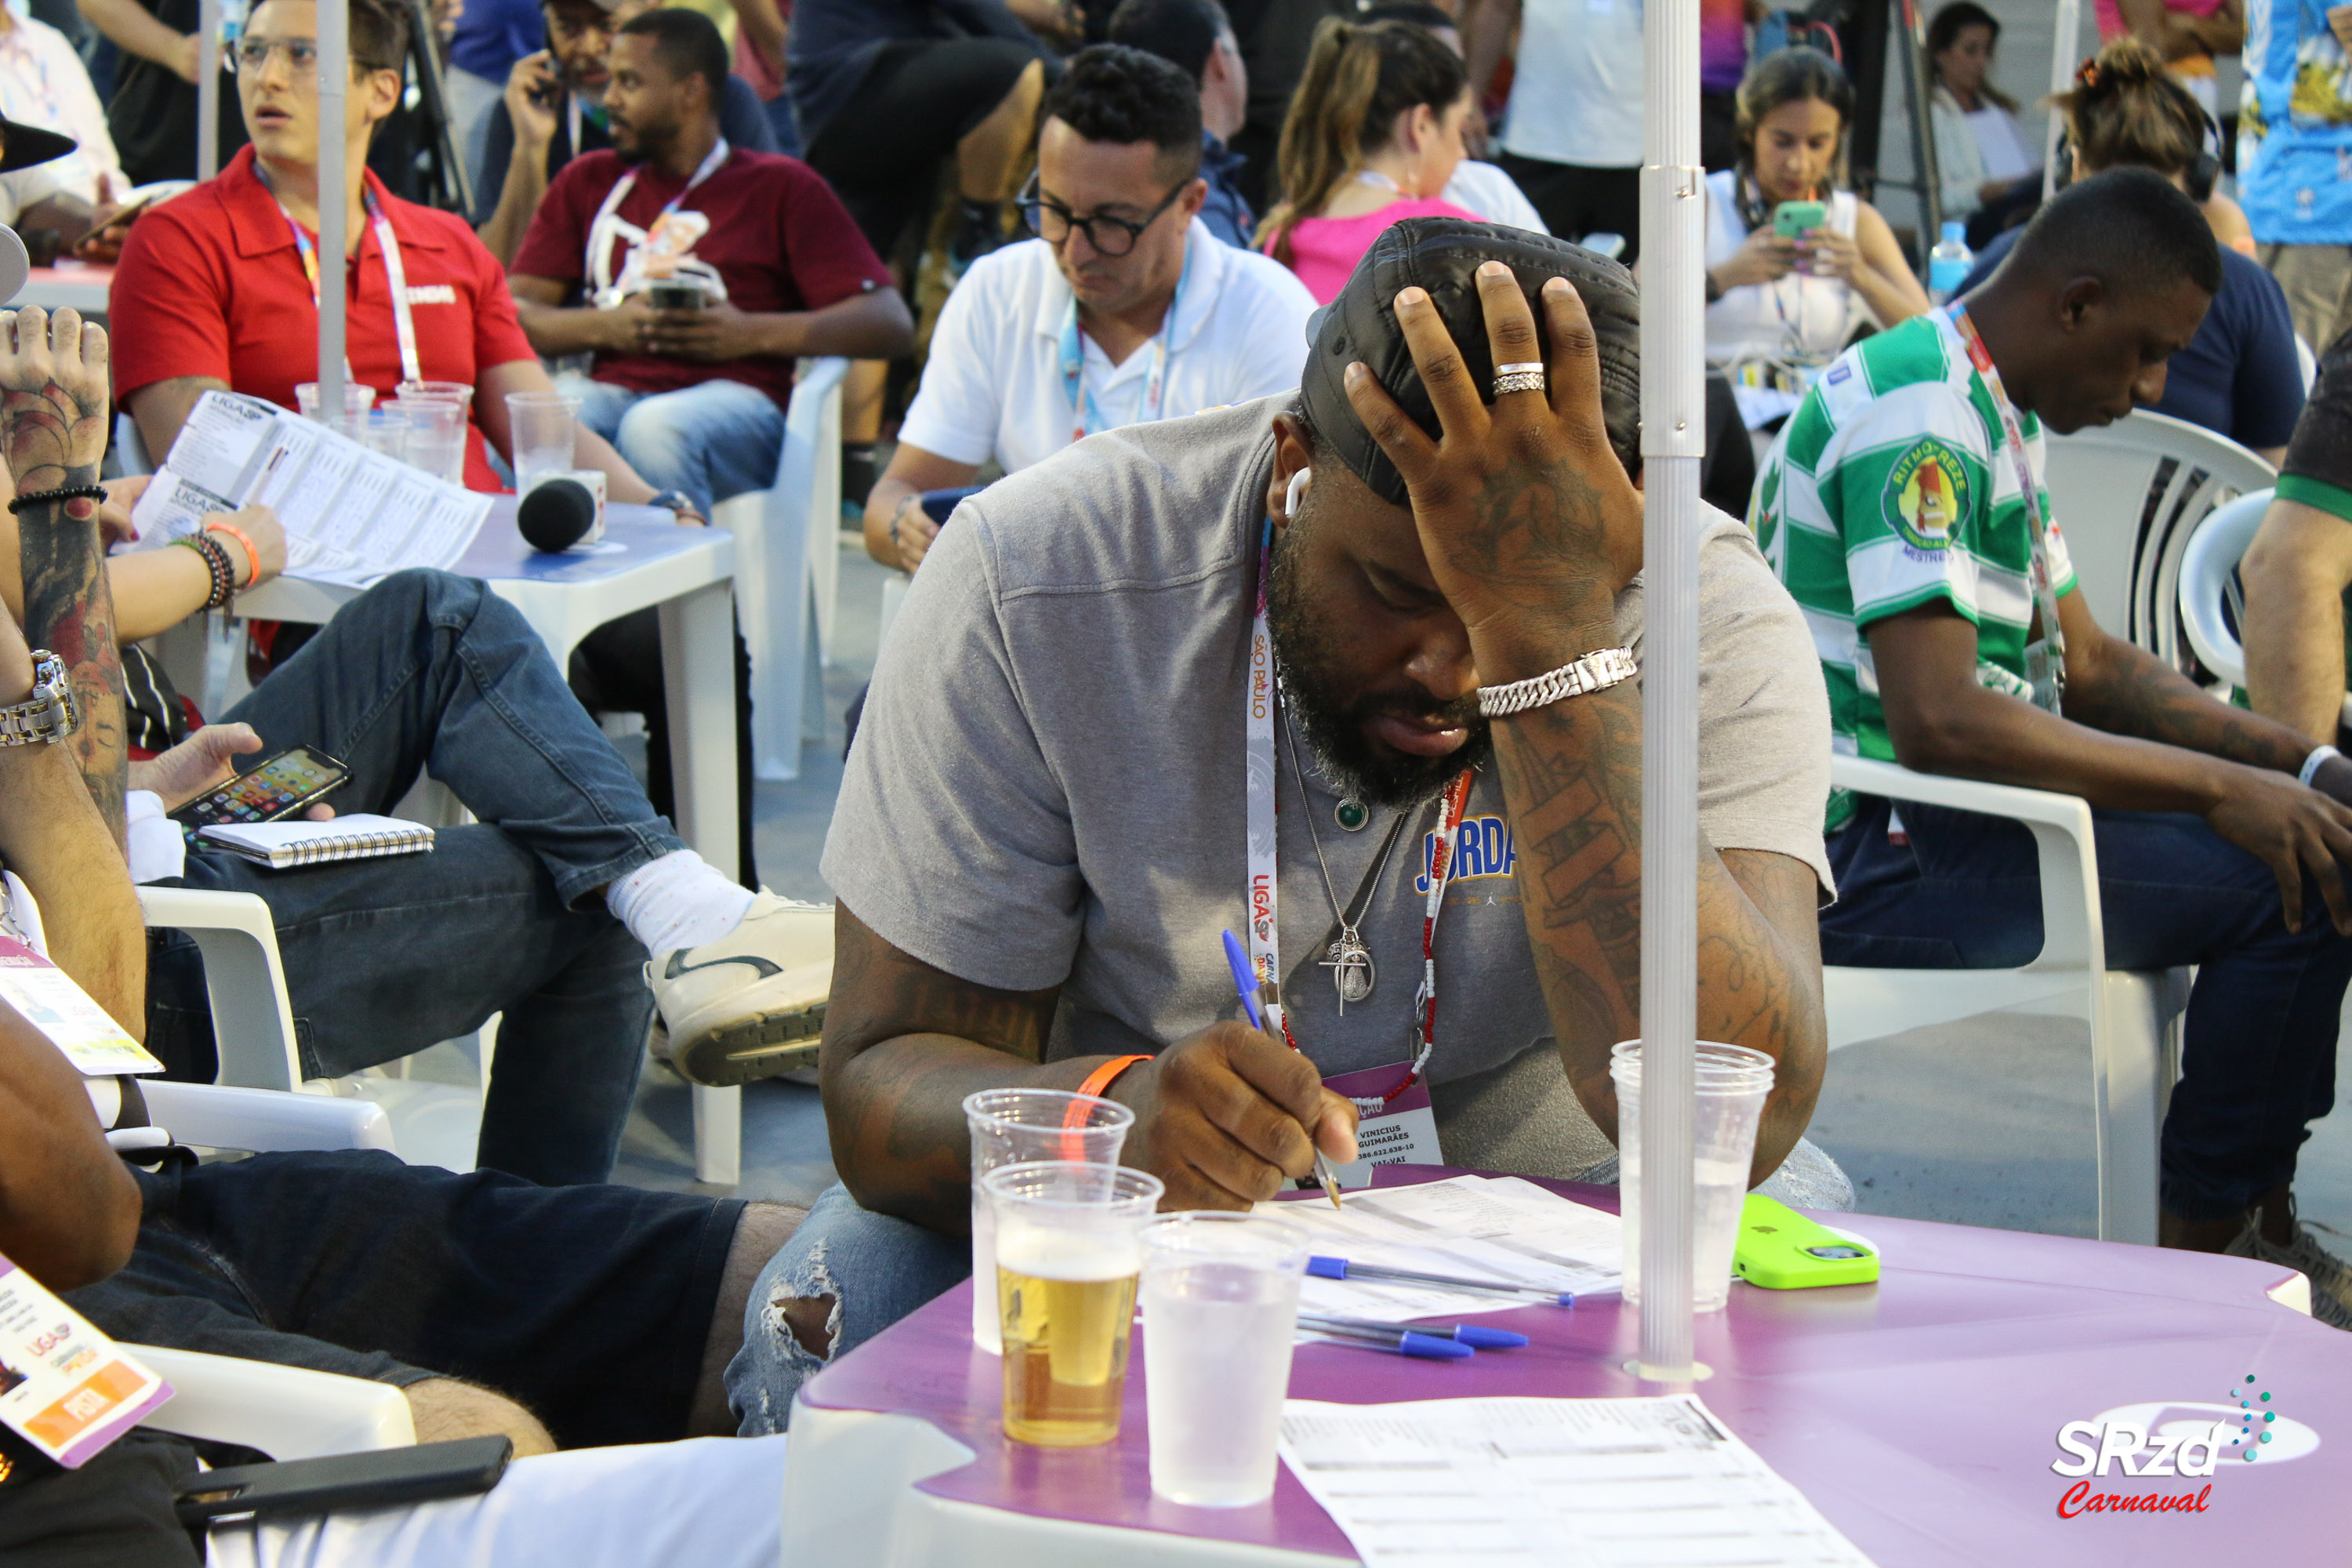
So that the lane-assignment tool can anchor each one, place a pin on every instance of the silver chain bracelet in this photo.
(1596, 671)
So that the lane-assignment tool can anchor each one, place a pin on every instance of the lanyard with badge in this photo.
(395, 272)
(1086, 417)
(2045, 655)
(1398, 1122)
(607, 220)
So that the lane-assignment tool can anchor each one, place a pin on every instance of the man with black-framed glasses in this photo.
(1122, 309)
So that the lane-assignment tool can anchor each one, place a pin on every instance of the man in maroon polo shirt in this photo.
(694, 397)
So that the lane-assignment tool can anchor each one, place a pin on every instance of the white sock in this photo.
(678, 900)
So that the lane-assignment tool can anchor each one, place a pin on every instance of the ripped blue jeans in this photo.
(876, 1269)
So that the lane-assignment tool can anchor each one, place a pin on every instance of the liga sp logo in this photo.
(2174, 1439)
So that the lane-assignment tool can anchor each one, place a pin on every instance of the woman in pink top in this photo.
(1373, 134)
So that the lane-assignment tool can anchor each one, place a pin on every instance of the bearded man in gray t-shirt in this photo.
(1047, 818)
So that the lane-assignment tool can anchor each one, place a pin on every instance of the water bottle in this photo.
(1948, 263)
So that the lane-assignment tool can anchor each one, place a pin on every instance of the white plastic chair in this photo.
(788, 536)
(253, 1023)
(2134, 1017)
(2209, 596)
(2127, 498)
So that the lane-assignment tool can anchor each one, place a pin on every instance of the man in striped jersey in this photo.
(1904, 510)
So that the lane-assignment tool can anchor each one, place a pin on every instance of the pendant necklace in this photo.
(1353, 975)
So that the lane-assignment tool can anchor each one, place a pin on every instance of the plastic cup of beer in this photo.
(357, 398)
(542, 426)
(1010, 1126)
(1220, 1310)
(1732, 1083)
(1067, 1260)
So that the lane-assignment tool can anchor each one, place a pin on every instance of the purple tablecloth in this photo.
(1920, 1415)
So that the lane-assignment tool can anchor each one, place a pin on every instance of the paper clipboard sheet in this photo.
(1479, 1227)
(1550, 1483)
(352, 515)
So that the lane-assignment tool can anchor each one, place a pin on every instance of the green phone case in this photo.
(1780, 1249)
(1791, 219)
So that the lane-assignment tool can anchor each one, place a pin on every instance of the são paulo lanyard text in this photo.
(1258, 700)
(395, 275)
(2045, 657)
(600, 240)
(1086, 417)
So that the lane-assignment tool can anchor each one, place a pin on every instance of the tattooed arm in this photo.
(1530, 528)
(53, 407)
(2134, 737)
(1220, 1116)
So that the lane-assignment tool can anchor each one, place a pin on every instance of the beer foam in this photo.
(1073, 1258)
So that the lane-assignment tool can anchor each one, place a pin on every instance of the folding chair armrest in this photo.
(287, 1412)
(253, 1023)
(2072, 933)
(265, 1121)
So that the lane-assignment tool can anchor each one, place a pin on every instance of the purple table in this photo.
(1919, 1415)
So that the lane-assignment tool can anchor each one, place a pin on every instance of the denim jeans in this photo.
(2258, 1062)
(878, 1268)
(433, 672)
(712, 441)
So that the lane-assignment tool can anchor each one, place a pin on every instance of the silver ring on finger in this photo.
(1527, 376)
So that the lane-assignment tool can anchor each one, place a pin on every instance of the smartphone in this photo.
(1791, 220)
(1780, 1249)
(384, 1477)
(940, 505)
(675, 294)
(279, 787)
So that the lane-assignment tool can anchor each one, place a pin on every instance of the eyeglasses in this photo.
(301, 55)
(1052, 222)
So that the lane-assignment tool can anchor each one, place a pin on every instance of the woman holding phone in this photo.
(1793, 262)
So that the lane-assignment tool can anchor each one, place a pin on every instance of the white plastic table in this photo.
(645, 560)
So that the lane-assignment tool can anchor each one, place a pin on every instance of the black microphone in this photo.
(556, 514)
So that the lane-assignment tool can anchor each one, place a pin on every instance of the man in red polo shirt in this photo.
(694, 397)
(214, 288)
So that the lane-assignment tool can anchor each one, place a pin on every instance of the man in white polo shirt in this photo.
(1124, 310)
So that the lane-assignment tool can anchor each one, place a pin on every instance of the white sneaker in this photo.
(2331, 1281)
(750, 1005)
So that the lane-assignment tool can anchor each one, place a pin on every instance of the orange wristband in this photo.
(252, 556)
(1096, 1081)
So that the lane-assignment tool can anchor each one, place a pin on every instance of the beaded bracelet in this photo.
(42, 498)
(217, 567)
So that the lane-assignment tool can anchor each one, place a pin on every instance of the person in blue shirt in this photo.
(1195, 37)
(2294, 146)
(2240, 376)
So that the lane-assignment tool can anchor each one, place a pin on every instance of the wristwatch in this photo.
(674, 500)
(48, 713)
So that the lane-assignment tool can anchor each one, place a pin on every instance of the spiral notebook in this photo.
(279, 845)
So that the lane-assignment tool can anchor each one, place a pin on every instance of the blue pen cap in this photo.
(1430, 1347)
(1327, 1267)
(1477, 1338)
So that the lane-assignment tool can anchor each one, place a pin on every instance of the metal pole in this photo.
(2063, 48)
(208, 31)
(334, 92)
(1673, 440)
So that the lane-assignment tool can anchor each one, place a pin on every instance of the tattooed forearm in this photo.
(69, 610)
(2139, 695)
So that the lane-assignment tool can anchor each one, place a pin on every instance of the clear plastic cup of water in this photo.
(541, 424)
(357, 398)
(1013, 1126)
(1220, 1310)
(1732, 1083)
(385, 430)
(437, 435)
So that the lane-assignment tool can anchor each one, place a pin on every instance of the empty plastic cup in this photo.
(385, 430)
(541, 424)
(358, 396)
(1731, 1083)
(1220, 1310)
(456, 392)
(1066, 1261)
(1010, 1126)
(437, 435)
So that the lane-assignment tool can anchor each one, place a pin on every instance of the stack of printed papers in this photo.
(1480, 1227)
(1498, 1482)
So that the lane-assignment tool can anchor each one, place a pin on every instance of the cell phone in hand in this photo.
(940, 505)
(675, 294)
(1793, 220)
(285, 785)
(385, 1477)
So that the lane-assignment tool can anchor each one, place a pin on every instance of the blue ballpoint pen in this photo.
(1472, 1334)
(1389, 1336)
(1320, 1267)
(1246, 982)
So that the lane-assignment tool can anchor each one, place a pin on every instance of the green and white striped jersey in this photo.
(1890, 487)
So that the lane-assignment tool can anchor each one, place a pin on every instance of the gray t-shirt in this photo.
(1048, 784)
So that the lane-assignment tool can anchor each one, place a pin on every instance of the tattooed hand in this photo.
(1528, 522)
(53, 398)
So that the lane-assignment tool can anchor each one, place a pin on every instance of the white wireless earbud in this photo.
(1297, 488)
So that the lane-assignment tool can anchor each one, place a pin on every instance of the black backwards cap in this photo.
(1442, 255)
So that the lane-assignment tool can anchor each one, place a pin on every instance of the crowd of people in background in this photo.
(1102, 268)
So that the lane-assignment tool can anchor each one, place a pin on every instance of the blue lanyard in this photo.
(1085, 417)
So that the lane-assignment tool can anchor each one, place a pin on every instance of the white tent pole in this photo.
(208, 30)
(1673, 440)
(2063, 47)
(334, 92)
